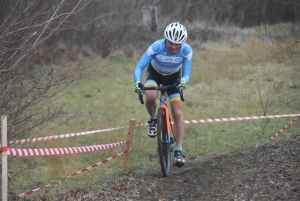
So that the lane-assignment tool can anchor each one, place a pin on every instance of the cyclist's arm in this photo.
(145, 60)
(187, 62)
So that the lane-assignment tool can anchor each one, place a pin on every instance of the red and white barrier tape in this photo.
(54, 137)
(239, 118)
(59, 151)
(71, 175)
(285, 127)
(144, 124)
(55, 151)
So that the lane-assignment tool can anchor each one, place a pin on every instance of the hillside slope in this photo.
(267, 172)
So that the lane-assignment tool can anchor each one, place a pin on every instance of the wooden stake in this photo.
(4, 157)
(129, 142)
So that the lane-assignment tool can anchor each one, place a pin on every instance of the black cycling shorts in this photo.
(155, 78)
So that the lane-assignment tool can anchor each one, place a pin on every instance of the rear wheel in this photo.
(162, 141)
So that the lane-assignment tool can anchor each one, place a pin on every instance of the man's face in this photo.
(172, 47)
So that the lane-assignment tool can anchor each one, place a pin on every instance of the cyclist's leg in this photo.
(150, 102)
(151, 95)
(176, 108)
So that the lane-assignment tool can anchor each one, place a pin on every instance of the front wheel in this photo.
(162, 141)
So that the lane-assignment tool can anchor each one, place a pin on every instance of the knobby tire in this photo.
(163, 145)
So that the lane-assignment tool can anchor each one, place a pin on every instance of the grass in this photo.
(251, 80)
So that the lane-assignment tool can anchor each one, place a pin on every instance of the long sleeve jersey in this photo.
(164, 62)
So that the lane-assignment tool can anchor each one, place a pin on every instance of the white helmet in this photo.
(176, 33)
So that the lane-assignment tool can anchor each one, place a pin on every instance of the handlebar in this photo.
(158, 88)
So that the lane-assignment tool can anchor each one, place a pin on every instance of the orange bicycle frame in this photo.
(168, 119)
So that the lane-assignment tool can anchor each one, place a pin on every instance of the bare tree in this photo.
(29, 80)
(31, 76)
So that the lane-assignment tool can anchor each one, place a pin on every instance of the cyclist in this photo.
(167, 60)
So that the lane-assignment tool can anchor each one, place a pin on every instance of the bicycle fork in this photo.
(170, 139)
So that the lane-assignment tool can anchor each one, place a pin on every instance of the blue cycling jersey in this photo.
(164, 62)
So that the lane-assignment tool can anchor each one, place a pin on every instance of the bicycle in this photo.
(165, 132)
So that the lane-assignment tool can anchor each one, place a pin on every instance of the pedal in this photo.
(178, 165)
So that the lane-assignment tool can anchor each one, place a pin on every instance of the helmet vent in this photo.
(176, 33)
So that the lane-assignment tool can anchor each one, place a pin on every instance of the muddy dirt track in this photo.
(267, 172)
